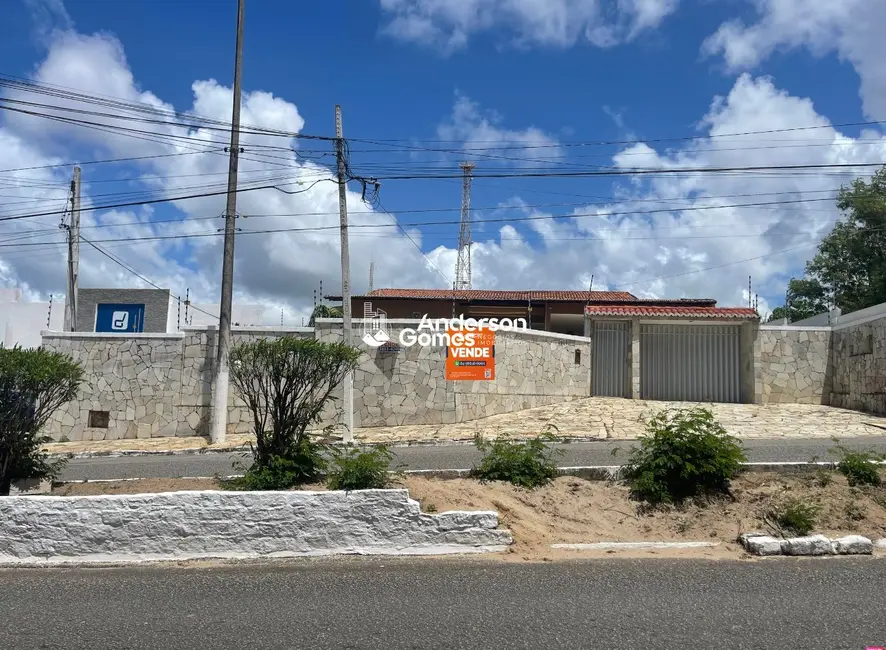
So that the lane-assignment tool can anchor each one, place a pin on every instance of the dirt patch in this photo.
(573, 510)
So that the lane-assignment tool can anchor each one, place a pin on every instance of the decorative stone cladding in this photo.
(794, 365)
(160, 385)
(858, 357)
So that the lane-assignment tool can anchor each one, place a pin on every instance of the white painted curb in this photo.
(633, 545)
(134, 528)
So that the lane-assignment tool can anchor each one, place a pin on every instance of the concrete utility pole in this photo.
(73, 231)
(348, 383)
(220, 394)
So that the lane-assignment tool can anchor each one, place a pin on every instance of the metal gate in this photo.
(612, 340)
(690, 363)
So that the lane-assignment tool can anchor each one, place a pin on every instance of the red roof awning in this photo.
(652, 311)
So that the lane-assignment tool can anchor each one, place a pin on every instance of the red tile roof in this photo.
(481, 294)
(743, 313)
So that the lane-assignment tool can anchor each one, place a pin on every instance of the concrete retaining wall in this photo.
(193, 525)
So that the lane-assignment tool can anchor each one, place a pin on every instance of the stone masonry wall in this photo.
(858, 359)
(136, 380)
(160, 385)
(794, 365)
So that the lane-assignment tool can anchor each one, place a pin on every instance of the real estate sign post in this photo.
(471, 360)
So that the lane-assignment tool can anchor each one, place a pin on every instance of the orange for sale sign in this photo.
(470, 355)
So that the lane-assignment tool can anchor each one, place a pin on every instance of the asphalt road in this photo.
(446, 457)
(392, 604)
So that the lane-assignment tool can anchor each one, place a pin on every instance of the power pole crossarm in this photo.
(220, 394)
(348, 383)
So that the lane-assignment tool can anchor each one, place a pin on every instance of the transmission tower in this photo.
(463, 263)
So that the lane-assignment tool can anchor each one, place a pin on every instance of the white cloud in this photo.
(278, 270)
(481, 134)
(851, 28)
(448, 24)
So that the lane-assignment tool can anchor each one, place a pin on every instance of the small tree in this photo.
(324, 311)
(285, 384)
(34, 383)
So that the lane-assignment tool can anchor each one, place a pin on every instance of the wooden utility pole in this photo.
(73, 232)
(220, 392)
(348, 383)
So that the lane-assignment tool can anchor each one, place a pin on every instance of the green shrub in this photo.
(794, 517)
(685, 453)
(283, 472)
(527, 464)
(34, 383)
(353, 469)
(859, 467)
(286, 383)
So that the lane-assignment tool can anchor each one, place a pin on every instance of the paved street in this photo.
(447, 457)
(390, 604)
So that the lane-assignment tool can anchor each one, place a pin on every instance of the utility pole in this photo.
(348, 383)
(73, 232)
(371, 276)
(220, 394)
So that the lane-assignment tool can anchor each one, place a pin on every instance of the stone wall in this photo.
(858, 359)
(793, 365)
(137, 381)
(193, 525)
(160, 385)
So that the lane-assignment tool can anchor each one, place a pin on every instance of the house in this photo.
(679, 349)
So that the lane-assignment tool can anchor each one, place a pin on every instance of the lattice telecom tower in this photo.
(463, 263)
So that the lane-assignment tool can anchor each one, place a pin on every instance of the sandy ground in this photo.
(572, 510)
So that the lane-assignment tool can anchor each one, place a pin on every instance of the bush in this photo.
(527, 464)
(283, 472)
(353, 469)
(859, 467)
(685, 453)
(34, 383)
(286, 383)
(794, 517)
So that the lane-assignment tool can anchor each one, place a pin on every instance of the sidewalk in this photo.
(587, 419)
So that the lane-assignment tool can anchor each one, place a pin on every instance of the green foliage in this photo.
(324, 311)
(353, 469)
(685, 453)
(528, 464)
(860, 467)
(849, 269)
(286, 383)
(794, 517)
(34, 383)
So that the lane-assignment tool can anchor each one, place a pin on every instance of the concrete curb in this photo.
(764, 545)
(588, 472)
(602, 546)
(196, 451)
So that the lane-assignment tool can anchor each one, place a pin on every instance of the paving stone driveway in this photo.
(595, 417)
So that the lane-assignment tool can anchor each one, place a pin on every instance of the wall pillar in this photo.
(751, 371)
(634, 359)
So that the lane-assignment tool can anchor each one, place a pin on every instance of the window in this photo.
(578, 357)
(99, 419)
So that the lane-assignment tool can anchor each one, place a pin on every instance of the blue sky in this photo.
(560, 76)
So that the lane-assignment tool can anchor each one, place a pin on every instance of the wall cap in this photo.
(791, 328)
(173, 336)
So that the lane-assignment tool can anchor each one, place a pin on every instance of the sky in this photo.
(579, 116)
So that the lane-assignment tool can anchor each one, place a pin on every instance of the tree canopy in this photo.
(849, 269)
(325, 311)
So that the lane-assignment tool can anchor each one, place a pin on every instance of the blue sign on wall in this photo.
(120, 318)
